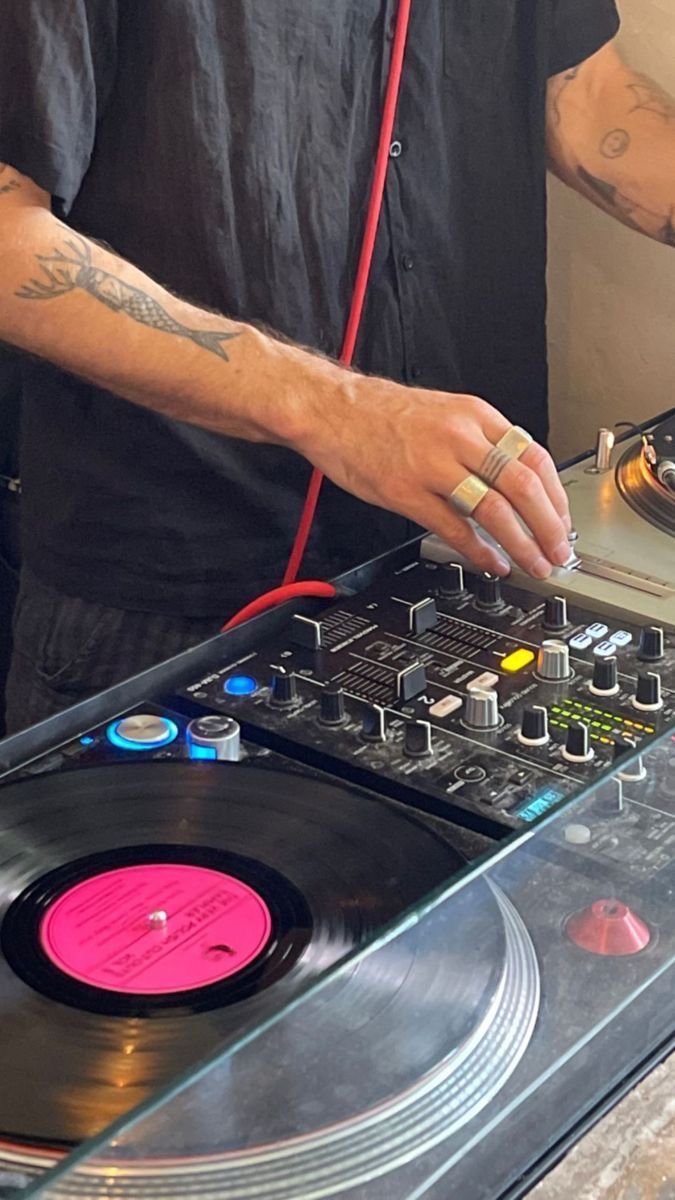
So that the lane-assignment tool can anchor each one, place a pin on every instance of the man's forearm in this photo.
(71, 301)
(611, 136)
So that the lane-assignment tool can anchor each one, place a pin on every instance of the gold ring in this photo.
(468, 494)
(515, 441)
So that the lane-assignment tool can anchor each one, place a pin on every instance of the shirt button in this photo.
(395, 150)
(407, 262)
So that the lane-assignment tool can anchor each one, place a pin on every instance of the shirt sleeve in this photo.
(57, 67)
(580, 28)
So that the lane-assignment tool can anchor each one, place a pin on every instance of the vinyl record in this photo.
(305, 870)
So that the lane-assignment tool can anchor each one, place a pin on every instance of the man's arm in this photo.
(76, 304)
(611, 136)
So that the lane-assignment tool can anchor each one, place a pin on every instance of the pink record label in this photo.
(156, 929)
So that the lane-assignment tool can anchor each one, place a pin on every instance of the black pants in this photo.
(66, 649)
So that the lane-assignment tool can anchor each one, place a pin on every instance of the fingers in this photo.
(538, 459)
(438, 516)
(525, 490)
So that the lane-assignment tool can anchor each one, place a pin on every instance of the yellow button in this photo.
(517, 660)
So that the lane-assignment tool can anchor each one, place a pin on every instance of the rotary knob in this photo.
(555, 614)
(609, 797)
(651, 647)
(284, 690)
(553, 661)
(417, 739)
(214, 737)
(373, 727)
(605, 681)
(648, 692)
(624, 747)
(577, 748)
(482, 709)
(534, 726)
(488, 591)
(452, 580)
(332, 706)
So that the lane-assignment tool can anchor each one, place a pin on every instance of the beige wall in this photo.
(612, 292)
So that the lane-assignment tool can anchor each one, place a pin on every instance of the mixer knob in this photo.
(605, 681)
(555, 613)
(577, 747)
(482, 709)
(423, 616)
(534, 727)
(417, 739)
(648, 693)
(452, 580)
(373, 727)
(651, 647)
(609, 797)
(332, 705)
(553, 661)
(624, 746)
(488, 591)
(214, 737)
(284, 689)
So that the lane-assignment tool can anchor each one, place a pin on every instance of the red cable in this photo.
(290, 588)
(277, 596)
(365, 262)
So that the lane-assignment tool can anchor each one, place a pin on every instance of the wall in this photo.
(612, 292)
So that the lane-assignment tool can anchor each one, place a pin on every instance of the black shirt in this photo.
(226, 148)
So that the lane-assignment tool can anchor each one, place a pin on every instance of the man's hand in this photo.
(611, 137)
(75, 304)
(407, 449)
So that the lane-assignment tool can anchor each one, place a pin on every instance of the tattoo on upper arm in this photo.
(615, 144)
(64, 272)
(649, 97)
(7, 185)
(567, 78)
(631, 212)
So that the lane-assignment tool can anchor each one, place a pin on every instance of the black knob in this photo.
(488, 591)
(372, 724)
(534, 726)
(577, 746)
(624, 747)
(648, 691)
(555, 613)
(452, 580)
(605, 680)
(284, 689)
(609, 797)
(651, 647)
(417, 739)
(332, 705)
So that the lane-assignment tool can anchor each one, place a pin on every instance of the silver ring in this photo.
(468, 494)
(515, 441)
(493, 464)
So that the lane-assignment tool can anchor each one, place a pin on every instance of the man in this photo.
(226, 150)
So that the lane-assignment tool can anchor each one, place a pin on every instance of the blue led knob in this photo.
(142, 731)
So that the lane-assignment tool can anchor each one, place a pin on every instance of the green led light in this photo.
(607, 728)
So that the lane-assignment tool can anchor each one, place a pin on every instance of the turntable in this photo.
(645, 476)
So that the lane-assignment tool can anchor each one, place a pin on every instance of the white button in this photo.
(487, 680)
(605, 650)
(597, 630)
(445, 706)
(621, 637)
(581, 642)
(577, 835)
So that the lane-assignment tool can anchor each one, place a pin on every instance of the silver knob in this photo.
(482, 709)
(214, 737)
(553, 661)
